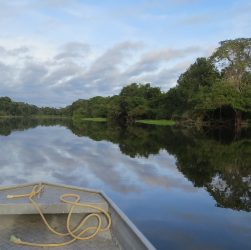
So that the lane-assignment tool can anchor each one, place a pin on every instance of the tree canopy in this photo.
(233, 59)
(11, 108)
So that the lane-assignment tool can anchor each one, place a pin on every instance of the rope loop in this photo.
(76, 233)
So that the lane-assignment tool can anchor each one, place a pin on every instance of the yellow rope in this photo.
(73, 232)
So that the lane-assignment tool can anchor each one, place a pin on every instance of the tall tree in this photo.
(233, 59)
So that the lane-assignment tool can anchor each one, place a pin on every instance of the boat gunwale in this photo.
(50, 184)
(129, 223)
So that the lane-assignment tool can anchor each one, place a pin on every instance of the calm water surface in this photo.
(183, 189)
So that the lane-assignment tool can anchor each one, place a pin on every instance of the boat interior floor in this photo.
(31, 228)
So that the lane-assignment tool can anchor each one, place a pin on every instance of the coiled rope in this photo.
(76, 233)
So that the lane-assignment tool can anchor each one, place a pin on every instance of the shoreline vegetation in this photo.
(213, 91)
(157, 122)
(94, 119)
(150, 122)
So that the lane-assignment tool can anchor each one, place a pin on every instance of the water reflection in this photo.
(9, 125)
(223, 169)
(221, 164)
(56, 155)
(159, 176)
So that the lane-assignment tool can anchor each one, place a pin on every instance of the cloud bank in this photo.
(53, 52)
(73, 71)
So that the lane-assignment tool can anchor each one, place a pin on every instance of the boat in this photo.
(46, 215)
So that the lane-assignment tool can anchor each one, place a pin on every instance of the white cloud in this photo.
(73, 50)
(63, 157)
(71, 72)
(53, 52)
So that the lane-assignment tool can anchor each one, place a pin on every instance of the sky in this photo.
(53, 52)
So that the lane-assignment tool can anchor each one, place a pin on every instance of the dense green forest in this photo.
(214, 89)
(11, 108)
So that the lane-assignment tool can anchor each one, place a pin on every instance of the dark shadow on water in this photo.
(218, 160)
(9, 125)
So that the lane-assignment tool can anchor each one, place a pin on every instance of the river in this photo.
(184, 189)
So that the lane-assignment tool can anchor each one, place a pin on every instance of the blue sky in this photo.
(53, 52)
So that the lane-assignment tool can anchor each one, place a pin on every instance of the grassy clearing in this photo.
(157, 122)
(97, 119)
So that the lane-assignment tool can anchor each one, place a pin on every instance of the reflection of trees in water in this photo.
(214, 159)
(219, 162)
(224, 170)
(8, 125)
(133, 141)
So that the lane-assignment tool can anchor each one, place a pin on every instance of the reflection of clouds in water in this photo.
(55, 155)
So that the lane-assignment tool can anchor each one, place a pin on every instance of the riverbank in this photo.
(150, 122)
(157, 122)
(96, 119)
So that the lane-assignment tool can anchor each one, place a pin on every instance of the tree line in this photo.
(217, 88)
(9, 107)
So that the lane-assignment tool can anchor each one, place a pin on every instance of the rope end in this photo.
(14, 239)
(9, 196)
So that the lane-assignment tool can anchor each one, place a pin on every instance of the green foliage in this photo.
(233, 58)
(11, 108)
(139, 101)
(201, 74)
(94, 107)
(210, 84)
(157, 122)
(175, 102)
(97, 119)
(220, 95)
